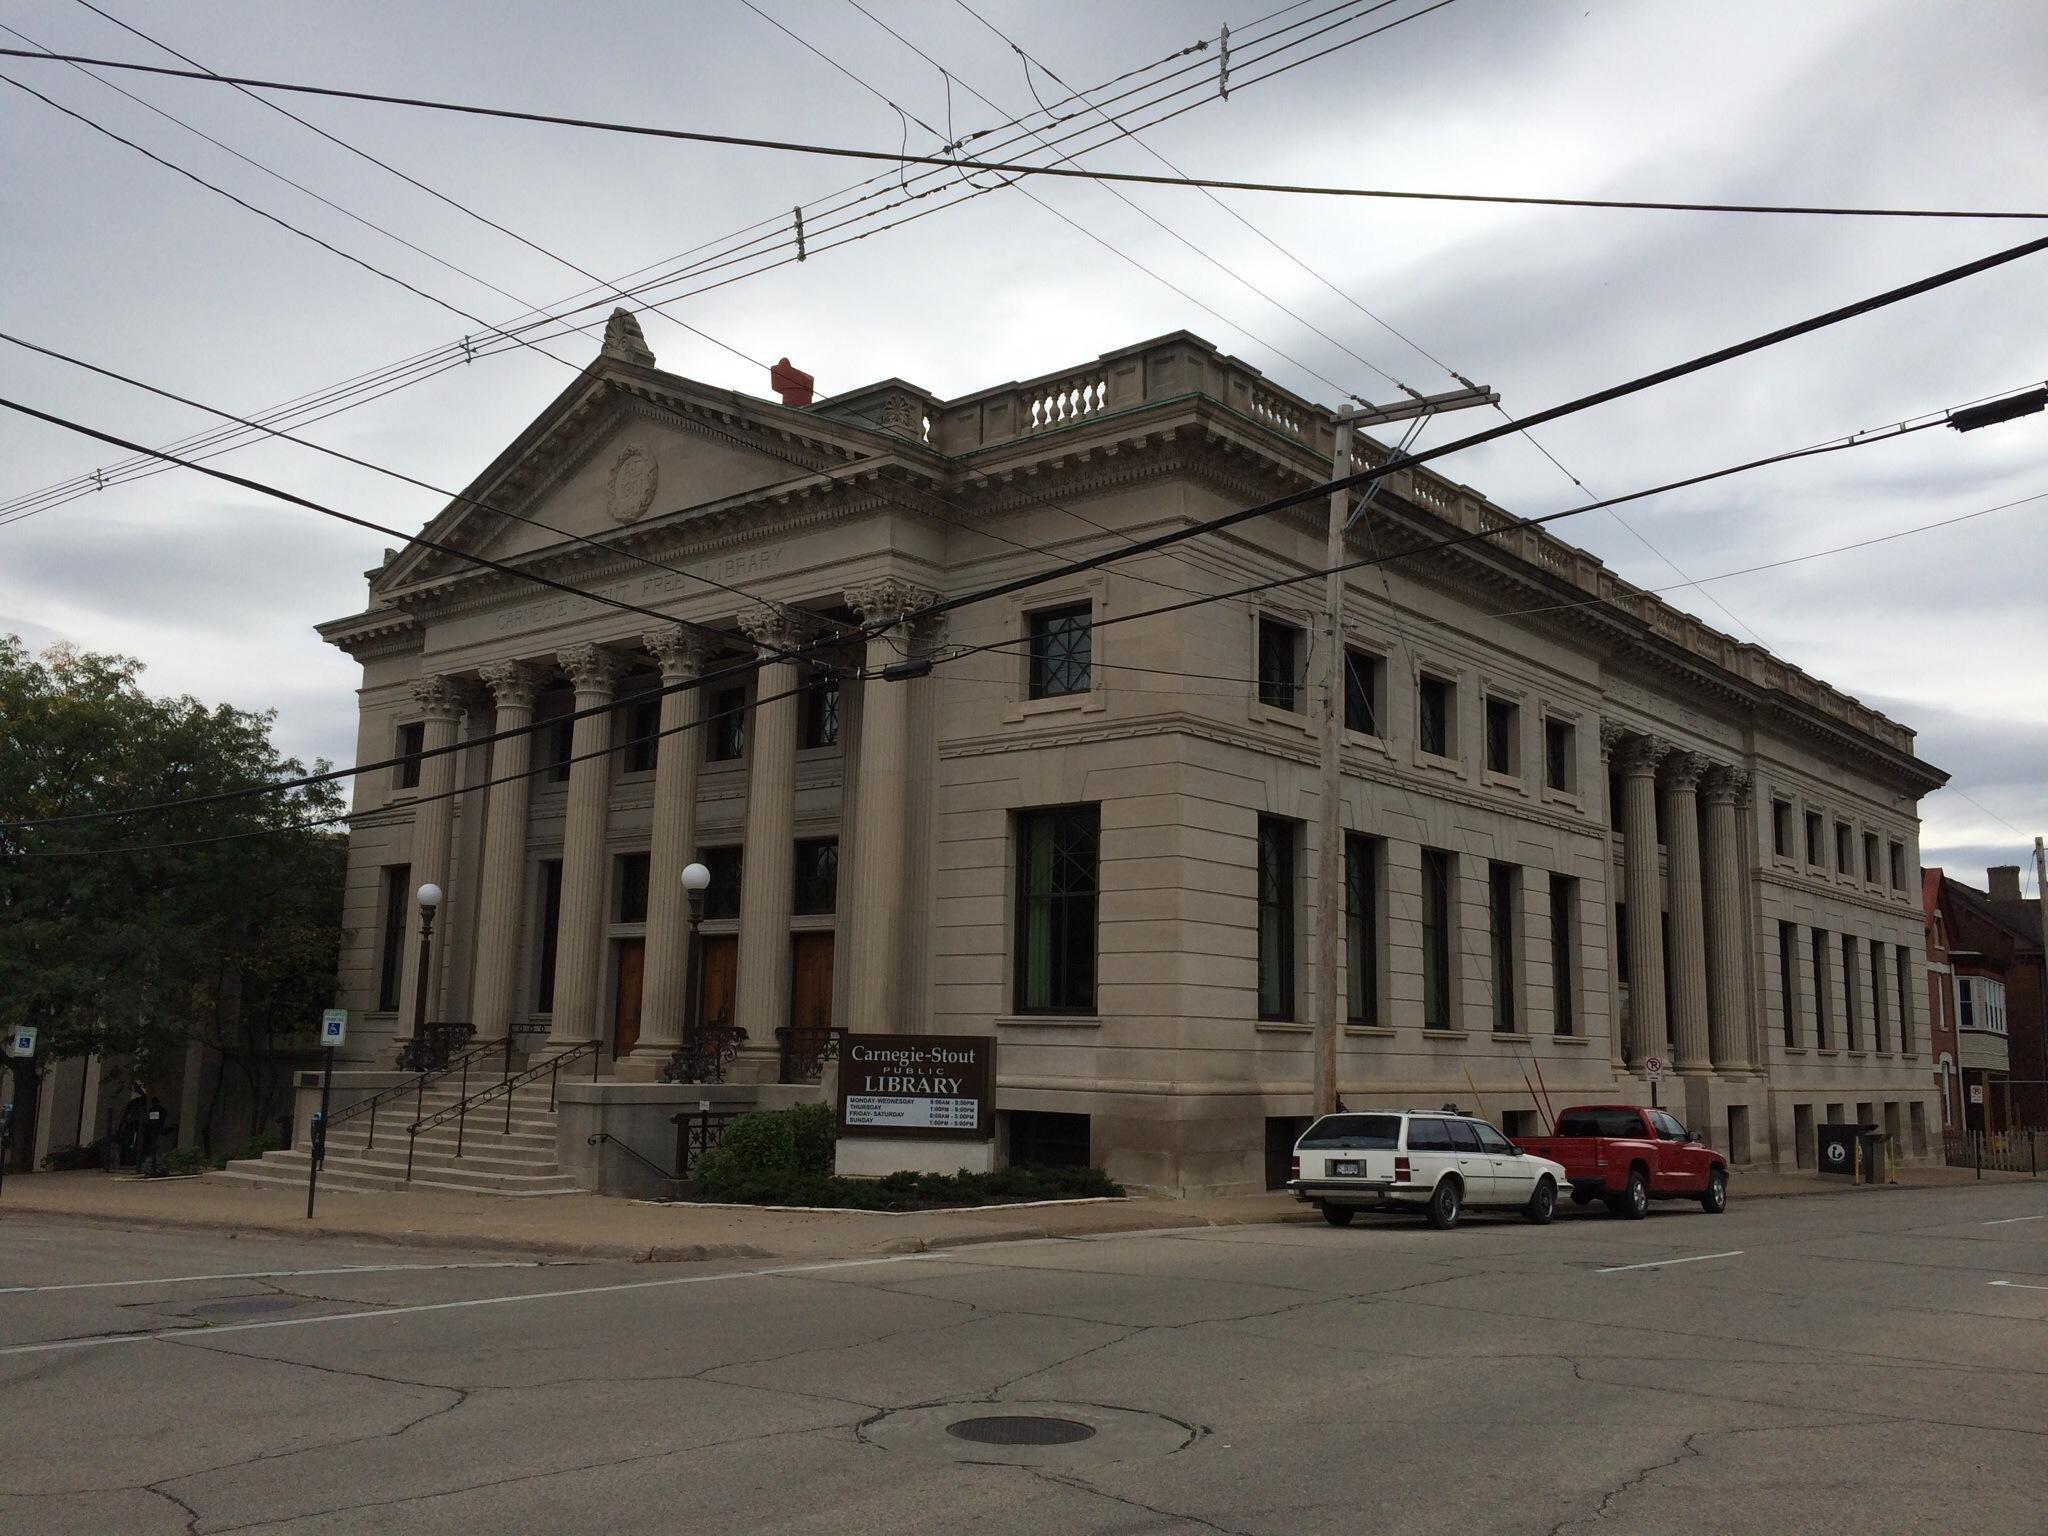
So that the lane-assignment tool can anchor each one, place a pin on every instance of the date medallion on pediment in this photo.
(629, 488)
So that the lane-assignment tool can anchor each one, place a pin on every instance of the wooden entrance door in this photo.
(626, 1001)
(721, 954)
(810, 1006)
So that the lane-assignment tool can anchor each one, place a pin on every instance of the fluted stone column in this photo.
(1727, 922)
(682, 653)
(578, 1010)
(880, 876)
(768, 877)
(440, 707)
(501, 902)
(1643, 891)
(1688, 911)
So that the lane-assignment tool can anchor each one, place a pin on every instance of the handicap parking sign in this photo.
(333, 1026)
(21, 1042)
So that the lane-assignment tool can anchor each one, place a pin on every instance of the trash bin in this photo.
(1876, 1154)
(1837, 1148)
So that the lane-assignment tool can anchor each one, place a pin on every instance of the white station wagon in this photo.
(1433, 1161)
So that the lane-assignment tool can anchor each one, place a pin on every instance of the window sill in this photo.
(1272, 714)
(1569, 1039)
(1445, 1034)
(1370, 1031)
(1057, 704)
(1828, 1050)
(1511, 1036)
(1552, 795)
(1047, 1021)
(1282, 1027)
(1792, 1050)
(1494, 779)
(1439, 764)
(1858, 1055)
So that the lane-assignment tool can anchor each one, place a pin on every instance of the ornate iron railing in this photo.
(704, 1056)
(805, 1050)
(435, 1047)
(506, 1087)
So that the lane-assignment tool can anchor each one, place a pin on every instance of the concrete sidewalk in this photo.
(592, 1226)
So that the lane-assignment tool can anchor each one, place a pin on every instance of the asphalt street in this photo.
(1868, 1364)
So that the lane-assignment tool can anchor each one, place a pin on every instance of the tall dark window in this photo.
(1879, 1013)
(1564, 951)
(558, 743)
(1621, 950)
(412, 740)
(1788, 979)
(821, 710)
(1781, 828)
(1845, 858)
(550, 931)
(1852, 993)
(1361, 928)
(1898, 855)
(725, 731)
(1904, 962)
(1870, 858)
(817, 876)
(722, 895)
(391, 945)
(1500, 911)
(1062, 651)
(1433, 716)
(1823, 1000)
(1436, 939)
(1814, 855)
(1059, 863)
(1503, 728)
(1364, 687)
(632, 886)
(1560, 754)
(1276, 918)
(643, 735)
(1279, 664)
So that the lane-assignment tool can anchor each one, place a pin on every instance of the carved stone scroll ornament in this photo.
(1726, 786)
(1683, 770)
(513, 684)
(680, 651)
(438, 697)
(592, 668)
(771, 628)
(1641, 754)
(1612, 733)
(887, 600)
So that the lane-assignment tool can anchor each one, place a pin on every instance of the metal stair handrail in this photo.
(416, 1085)
(507, 1086)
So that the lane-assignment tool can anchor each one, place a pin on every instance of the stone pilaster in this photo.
(439, 701)
(501, 902)
(1643, 1029)
(880, 877)
(682, 653)
(767, 883)
(579, 1012)
(1728, 990)
(1688, 911)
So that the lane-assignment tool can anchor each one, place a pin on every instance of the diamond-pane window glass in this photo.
(1433, 717)
(722, 895)
(1361, 928)
(817, 877)
(1436, 939)
(1279, 665)
(725, 733)
(1276, 918)
(1062, 652)
(632, 887)
(821, 710)
(412, 740)
(1058, 875)
(1363, 673)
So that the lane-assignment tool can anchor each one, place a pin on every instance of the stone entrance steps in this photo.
(493, 1161)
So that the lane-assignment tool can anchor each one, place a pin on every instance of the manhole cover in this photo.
(241, 1304)
(1020, 1429)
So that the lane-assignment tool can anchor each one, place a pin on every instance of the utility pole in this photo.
(1330, 850)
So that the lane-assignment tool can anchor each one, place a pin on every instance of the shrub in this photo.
(188, 1160)
(911, 1191)
(777, 1144)
(250, 1150)
(66, 1159)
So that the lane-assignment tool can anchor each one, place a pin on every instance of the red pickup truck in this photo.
(1628, 1156)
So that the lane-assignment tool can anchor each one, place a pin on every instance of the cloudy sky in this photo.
(112, 257)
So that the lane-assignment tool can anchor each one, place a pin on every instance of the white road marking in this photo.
(2006, 1221)
(452, 1306)
(2017, 1285)
(1697, 1258)
(265, 1274)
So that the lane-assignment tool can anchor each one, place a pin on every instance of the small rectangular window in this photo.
(1814, 832)
(1823, 999)
(391, 946)
(558, 742)
(1898, 853)
(817, 877)
(1362, 860)
(1276, 918)
(1433, 716)
(1501, 912)
(642, 731)
(821, 710)
(725, 730)
(550, 933)
(722, 895)
(1503, 736)
(412, 740)
(1059, 859)
(1564, 949)
(1560, 754)
(1781, 828)
(1788, 980)
(631, 903)
(1870, 858)
(1279, 665)
(1436, 939)
(1364, 688)
(1062, 651)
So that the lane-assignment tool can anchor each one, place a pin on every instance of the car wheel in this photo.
(1445, 1203)
(1715, 1200)
(1542, 1204)
(1635, 1204)
(1338, 1215)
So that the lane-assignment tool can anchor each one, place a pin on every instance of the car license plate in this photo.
(1346, 1170)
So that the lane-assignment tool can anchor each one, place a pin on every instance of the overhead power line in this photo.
(1016, 168)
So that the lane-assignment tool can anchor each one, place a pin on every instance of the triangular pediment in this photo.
(623, 448)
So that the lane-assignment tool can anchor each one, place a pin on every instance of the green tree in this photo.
(130, 936)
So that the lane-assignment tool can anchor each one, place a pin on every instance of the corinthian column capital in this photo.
(1682, 770)
(1612, 733)
(681, 651)
(1640, 754)
(513, 684)
(1726, 785)
(888, 599)
(771, 628)
(592, 668)
(438, 698)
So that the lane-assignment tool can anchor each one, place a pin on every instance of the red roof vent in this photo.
(794, 385)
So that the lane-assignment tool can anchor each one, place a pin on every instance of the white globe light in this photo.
(430, 895)
(695, 877)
